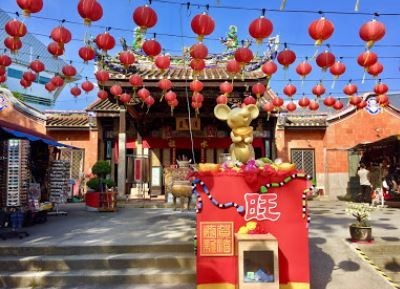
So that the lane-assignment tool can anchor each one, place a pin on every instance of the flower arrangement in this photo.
(361, 211)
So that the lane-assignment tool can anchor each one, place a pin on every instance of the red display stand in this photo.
(230, 203)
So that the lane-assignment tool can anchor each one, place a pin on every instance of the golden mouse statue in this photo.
(239, 119)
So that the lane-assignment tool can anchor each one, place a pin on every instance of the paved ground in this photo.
(335, 262)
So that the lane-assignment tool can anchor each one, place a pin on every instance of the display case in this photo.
(257, 261)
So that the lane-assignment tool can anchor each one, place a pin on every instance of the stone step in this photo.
(98, 261)
(82, 250)
(97, 278)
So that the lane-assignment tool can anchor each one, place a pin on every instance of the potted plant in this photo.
(361, 230)
(99, 184)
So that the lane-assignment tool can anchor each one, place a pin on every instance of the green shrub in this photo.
(98, 183)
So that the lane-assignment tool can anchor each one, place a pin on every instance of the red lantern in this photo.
(144, 17)
(75, 91)
(90, 10)
(289, 90)
(5, 60)
(313, 105)
(143, 93)
(2, 70)
(260, 28)
(116, 90)
(277, 102)
(30, 6)
(258, 89)
(367, 58)
(325, 60)
(125, 98)
(25, 83)
(303, 69)
(320, 30)
(197, 64)
(338, 105)
(50, 86)
(162, 62)
(87, 53)
(375, 69)
(3, 78)
(14, 44)
(329, 101)
(350, 89)
(174, 103)
(170, 96)
(102, 94)
(151, 47)
(291, 106)
(362, 104)
(136, 80)
(37, 66)
(268, 107)
(149, 101)
(61, 35)
(249, 100)
(222, 99)
(105, 41)
(382, 99)
(202, 25)
(269, 68)
(337, 69)
(126, 58)
(226, 88)
(102, 76)
(29, 76)
(233, 67)
(286, 57)
(372, 31)
(304, 102)
(57, 81)
(165, 84)
(15, 28)
(243, 55)
(199, 51)
(355, 100)
(87, 86)
(55, 49)
(196, 86)
(69, 71)
(318, 90)
(381, 88)
(197, 97)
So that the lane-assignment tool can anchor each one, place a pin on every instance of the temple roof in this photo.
(286, 120)
(67, 120)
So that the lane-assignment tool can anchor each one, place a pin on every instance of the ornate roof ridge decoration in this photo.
(215, 65)
(21, 106)
(301, 120)
(352, 109)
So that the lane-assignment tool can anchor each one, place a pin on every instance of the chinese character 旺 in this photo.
(261, 207)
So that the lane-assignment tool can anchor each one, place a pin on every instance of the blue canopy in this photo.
(30, 137)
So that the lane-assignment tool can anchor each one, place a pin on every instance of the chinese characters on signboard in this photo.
(182, 123)
(261, 207)
(216, 239)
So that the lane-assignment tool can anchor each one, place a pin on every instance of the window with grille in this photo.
(75, 158)
(304, 159)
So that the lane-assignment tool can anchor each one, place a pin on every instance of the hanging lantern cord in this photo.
(263, 12)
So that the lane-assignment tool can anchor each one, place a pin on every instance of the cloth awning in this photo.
(24, 135)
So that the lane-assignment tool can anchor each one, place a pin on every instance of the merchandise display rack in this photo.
(59, 184)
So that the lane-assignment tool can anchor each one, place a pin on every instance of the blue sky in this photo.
(291, 24)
